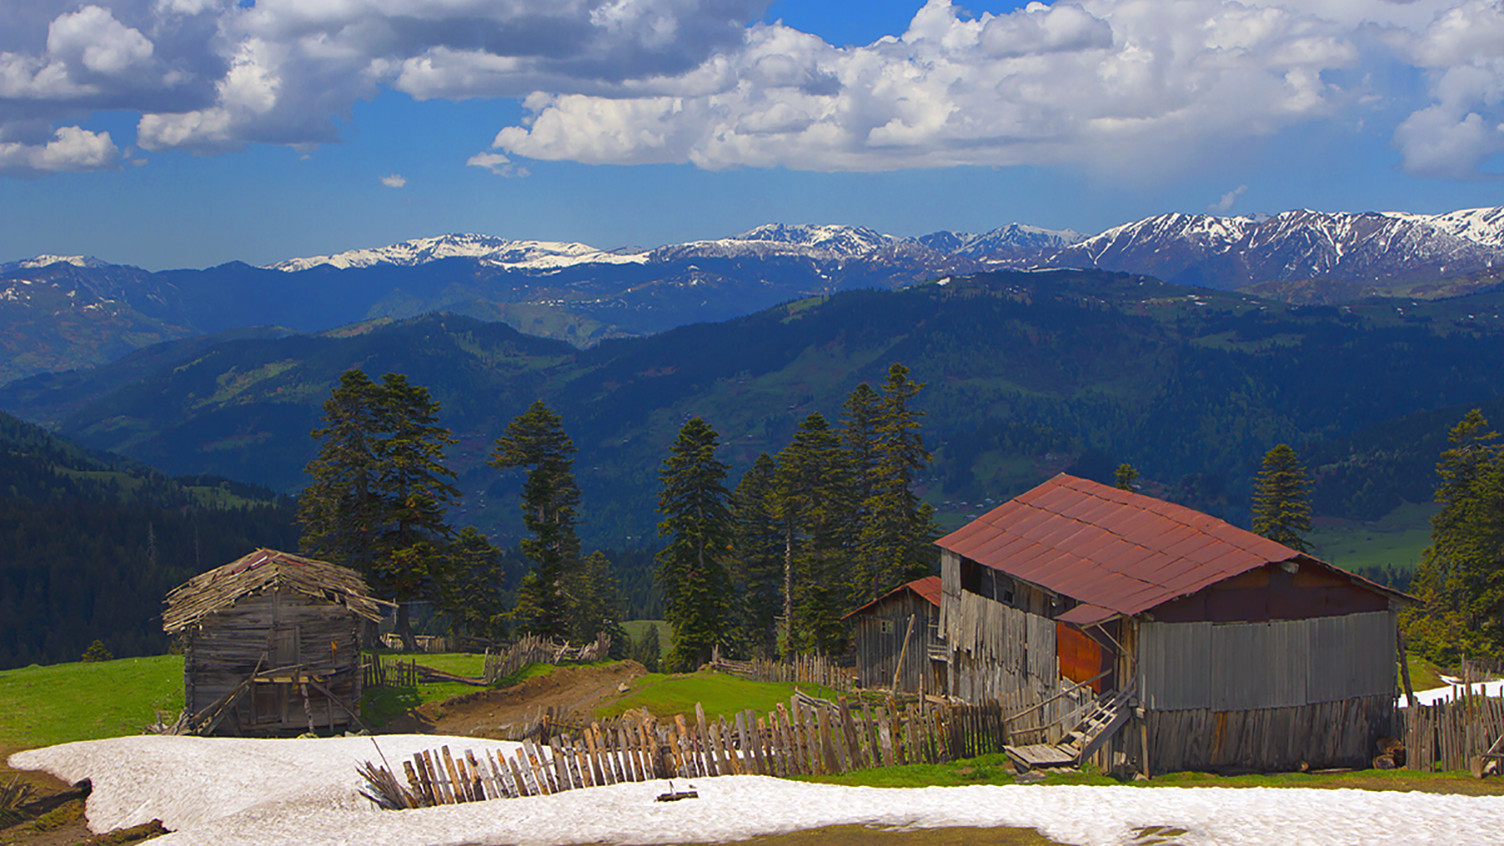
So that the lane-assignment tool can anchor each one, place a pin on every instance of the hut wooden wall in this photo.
(275, 629)
(877, 651)
(1278, 664)
(1320, 735)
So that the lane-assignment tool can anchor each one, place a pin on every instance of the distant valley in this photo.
(1028, 373)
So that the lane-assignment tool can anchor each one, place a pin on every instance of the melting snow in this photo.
(227, 791)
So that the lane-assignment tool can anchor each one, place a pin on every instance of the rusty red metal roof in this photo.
(927, 588)
(1113, 551)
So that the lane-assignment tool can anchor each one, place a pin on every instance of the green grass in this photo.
(1396, 540)
(635, 630)
(379, 705)
(61, 703)
(996, 769)
(1423, 674)
(721, 695)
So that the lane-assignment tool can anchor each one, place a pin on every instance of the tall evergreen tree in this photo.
(593, 604)
(416, 490)
(900, 528)
(1281, 509)
(756, 559)
(379, 488)
(861, 419)
(536, 440)
(691, 568)
(1460, 580)
(810, 499)
(340, 509)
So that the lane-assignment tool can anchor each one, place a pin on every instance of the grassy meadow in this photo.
(1397, 540)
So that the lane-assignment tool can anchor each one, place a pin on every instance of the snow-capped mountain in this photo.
(499, 251)
(1377, 248)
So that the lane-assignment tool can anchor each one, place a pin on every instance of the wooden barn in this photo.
(271, 644)
(901, 628)
(1215, 648)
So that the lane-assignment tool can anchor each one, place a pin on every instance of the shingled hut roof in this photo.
(266, 569)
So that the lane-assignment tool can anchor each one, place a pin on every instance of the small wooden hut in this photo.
(901, 629)
(1218, 649)
(271, 644)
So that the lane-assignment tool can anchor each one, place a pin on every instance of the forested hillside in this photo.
(1027, 373)
(90, 543)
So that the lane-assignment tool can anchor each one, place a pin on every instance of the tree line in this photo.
(768, 567)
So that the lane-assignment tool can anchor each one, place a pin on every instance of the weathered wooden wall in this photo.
(878, 641)
(1277, 664)
(1272, 593)
(1319, 735)
(266, 632)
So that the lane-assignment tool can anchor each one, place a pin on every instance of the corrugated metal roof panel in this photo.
(1115, 549)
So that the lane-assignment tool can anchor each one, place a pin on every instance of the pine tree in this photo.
(1281, 510)
(756, 560)
(592, 605)
(340, 510)
(1125, 477)
(811, 504)
(1460, 580)
(861, 419)
(691, 568)
(900, 528)
(379, 488)
(536, 440)
(415, 490)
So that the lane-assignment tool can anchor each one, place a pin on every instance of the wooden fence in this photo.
(809, 736)
(1449, 735)
(803, 669)
(381, 672)
(533, 649)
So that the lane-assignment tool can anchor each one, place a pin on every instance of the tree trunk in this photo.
(405, 629)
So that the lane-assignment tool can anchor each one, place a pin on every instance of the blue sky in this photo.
(184, 133)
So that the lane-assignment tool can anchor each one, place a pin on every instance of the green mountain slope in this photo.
(1028, 373)
(90, 543)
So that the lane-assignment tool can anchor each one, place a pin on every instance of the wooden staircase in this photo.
(1104, 719)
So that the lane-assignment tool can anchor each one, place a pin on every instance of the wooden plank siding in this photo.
(263, 632)
(1317, 736)
(1277, 664)
(878, 640)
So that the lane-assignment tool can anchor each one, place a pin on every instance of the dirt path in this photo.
(488, 713)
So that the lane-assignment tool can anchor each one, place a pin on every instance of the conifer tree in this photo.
(470, 586)
(379, 488)
(592, 603)
(340, 510)
(416, 490)
(536, 440)
(1125, 477)
(861, 418)
(1460, 580)
(756, 560)
(1281, 511)
(811, 503)
(691, 568)
(900, 528)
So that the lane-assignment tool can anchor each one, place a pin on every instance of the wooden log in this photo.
(523, 789)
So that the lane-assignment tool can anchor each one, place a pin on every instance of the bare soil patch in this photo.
(489, 713)
(862, 835)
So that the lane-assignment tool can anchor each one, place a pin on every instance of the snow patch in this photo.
(218, 791)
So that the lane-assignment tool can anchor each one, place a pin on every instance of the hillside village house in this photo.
(1204, 645)
(272, 644)
(901, 628)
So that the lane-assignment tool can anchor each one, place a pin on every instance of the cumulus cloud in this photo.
(395, 180)
(497, 164)
(1225, 202)
(71, 149)
(1100, 81)
(1126, 86)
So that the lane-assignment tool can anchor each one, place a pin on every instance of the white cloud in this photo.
(497, 164)
(395, 180)
(71, 149)
(1123, 86)
(1225, 202)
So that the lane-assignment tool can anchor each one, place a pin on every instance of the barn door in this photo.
(285, 646)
